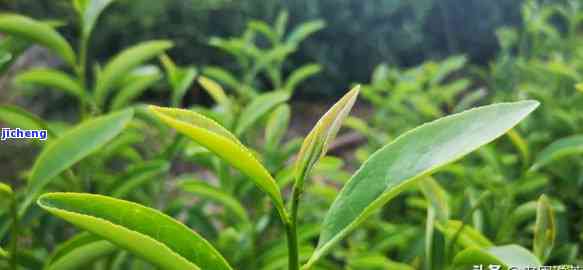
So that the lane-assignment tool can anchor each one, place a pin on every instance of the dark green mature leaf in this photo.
(38, 32)
(410, 157)
(505, 256)
(561, 148)
(79, 251)
(54, 79)
(146, 232)
(75, 145)
(315, 145)
(224, 144)
(260, 106)
(125, 61)
(544, 229)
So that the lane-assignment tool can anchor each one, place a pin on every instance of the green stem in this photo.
(14, 233)
(292, 234)
(292, 245)
(82, 72)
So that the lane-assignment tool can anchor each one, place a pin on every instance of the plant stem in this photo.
(292, 245)
(292, 233)
(14, 236)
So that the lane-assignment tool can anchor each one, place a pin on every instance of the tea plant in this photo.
(255, 59)
(148, 233)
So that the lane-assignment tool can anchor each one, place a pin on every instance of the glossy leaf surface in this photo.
(75, 145)
(410, 157)
(316, 143)
(220, 141)
(147, 233)
(505, 256)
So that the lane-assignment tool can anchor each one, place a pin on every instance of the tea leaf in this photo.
(127, 60)
(411, 157)
(377, 262)
(215, 91)
(223, 76)
(224, 144)
(437, 198)
(73, 146)
(145, 232)
(301, 74)
(505, 256)
(465, 236)
(316, 143)
(138, 176)
(18, 118)
(559, 149)
(54, 79)
(209, 192)
(260, 105)
(134, 88)
(90, 11)
(544, 229)
(276, 126)
(6, 194)
(181, 79)
(38, 32)
(3, 254)
(79, 251)
(304, 31)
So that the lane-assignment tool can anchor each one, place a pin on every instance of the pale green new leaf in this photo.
(180, 78)
(54, 79)
(316, 143)
(437, 198)
(124, 62)
(561, 148)
(544, 229)
(3, 254)
(79, 251)
(6, 194)
(258, 107)
(73, 146)
(410, 157)
(215, 91)
(505, 256)
(224, 144)
(38, 32)
(276, 126)
(209, 192)
(463, 234)
(145, 232)
(90, 11)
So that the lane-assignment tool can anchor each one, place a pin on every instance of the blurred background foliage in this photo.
(356, 38)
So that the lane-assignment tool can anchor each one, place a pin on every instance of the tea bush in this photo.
(135, 186)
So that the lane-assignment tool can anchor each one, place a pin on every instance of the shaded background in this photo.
(357, 37)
